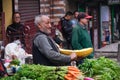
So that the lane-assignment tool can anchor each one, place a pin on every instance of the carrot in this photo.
(67, 78)
(73, 68)
(69, 75)
(73, 74)
(74, 71)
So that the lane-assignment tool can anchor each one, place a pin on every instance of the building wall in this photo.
(71, 5)
(53, 8)
(7, 8)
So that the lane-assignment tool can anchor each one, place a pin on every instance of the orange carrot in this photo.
(73, 74)
(73, 68)
(67, 78)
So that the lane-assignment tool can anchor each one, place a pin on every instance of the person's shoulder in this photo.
(62, 19)
(76, 26)
(9, 26)
(39, 36)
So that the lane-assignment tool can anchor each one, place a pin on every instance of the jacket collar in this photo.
(39, 31)
(83, 27)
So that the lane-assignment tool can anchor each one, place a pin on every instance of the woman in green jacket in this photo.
(80, 36)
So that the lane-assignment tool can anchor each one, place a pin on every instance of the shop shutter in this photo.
(28, 9)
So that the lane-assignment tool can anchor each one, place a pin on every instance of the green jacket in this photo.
(81, 39)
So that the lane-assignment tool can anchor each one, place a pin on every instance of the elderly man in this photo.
(44, 49)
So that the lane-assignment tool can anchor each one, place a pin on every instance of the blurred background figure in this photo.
(80, 36)
(67, 28)
(16, 29)
(15, 51)
(74, 21)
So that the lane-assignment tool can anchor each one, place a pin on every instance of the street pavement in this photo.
(113, 47)
(109, 51)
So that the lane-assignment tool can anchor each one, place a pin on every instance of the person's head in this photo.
(68, 15)
(83, 18)
(75, 13)
(16, 17)
(43, 23)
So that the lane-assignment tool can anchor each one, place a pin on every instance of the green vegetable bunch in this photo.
(39, 72)
(101, 69)
(15, 62)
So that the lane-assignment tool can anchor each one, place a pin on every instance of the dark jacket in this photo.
(15, 31)
(66, 29)
(45, 51)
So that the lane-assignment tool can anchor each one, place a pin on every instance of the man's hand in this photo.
(73, 56)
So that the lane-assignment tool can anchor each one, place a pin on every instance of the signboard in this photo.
(105, 24)
(110, 2)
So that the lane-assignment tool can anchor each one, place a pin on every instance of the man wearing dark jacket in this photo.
(44, 49)
(67, 28)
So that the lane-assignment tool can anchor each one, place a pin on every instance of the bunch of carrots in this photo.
(73, 73)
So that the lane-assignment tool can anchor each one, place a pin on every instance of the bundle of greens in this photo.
(101, 69)
(40, 72)
(15, 62)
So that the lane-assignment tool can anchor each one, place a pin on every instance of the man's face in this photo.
(45, 25)
(16, 18)
(84, 21)
(76, 14)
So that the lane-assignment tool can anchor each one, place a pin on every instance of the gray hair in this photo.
(37, 20)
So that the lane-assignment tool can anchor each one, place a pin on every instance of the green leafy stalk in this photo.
(101, 69)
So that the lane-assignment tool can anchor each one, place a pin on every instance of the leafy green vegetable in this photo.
(101, 69)
(39, 72)
(15, 62)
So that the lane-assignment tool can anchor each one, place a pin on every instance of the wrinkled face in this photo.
(76, 14)
(45, 25)
(16, 18)
(84, 21)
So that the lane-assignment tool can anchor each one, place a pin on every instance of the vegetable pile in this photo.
(40, 72)
(101, 69)
(15, 62)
